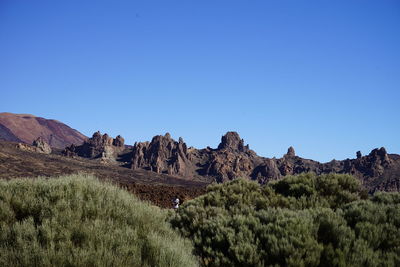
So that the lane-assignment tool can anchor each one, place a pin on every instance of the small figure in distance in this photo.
(175, 203)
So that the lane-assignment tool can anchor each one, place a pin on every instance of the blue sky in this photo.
(321, 76)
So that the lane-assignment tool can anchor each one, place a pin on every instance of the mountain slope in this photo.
(6, 134)
(27, 128)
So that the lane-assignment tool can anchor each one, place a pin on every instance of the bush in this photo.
(328, 190)
(78, 221)
(304, 220)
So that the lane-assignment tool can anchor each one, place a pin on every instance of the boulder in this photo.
(38, 146)
(41, 146)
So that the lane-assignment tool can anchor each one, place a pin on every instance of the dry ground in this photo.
(159, 189)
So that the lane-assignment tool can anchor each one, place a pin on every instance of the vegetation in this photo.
(304, 220)
(78, 221)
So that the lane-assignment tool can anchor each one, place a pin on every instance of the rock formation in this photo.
(162, 155)
(232, 159)
(41, 146)
(372, 165)
(231, 141)
(266, 171)
(290, 153)
(119, 141)
(38, 146)
(98, 146)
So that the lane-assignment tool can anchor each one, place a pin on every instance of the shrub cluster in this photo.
(304, 220)
(78, 221)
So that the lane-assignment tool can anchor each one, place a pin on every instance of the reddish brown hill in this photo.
(27, 128)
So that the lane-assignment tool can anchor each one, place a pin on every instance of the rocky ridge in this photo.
(232, 159)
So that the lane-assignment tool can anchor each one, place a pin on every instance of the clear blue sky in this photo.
(322, 76)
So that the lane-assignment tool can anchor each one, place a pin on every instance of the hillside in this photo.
(160, 189)
(27, 128)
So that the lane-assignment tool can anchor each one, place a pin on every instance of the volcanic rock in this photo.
(162, 155)
(225, 165)
(372, 165)
(98, 146)
(118, 141)
(232, 159)
(231, 141)
(267, 171)
(290, 152)
(25, 147)
(41, 146)
(38, 146)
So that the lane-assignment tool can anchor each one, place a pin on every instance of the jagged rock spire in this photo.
(232, 141)
(291, 152)
(162, 155)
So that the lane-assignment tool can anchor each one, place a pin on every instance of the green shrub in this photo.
(310, 190)
(78, 221)
(304, 220)
(378, 223)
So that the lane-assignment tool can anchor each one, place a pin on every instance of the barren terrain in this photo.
(159, 189)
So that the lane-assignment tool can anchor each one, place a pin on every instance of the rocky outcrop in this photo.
(98, 146)
(233, 159)
(41, 146)
(38, 146)
(372, 165)
(266, 171)
(162, 155)
(230, 160)
(119, 141)
(290, 153)
(231, 141)
(225, 165)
